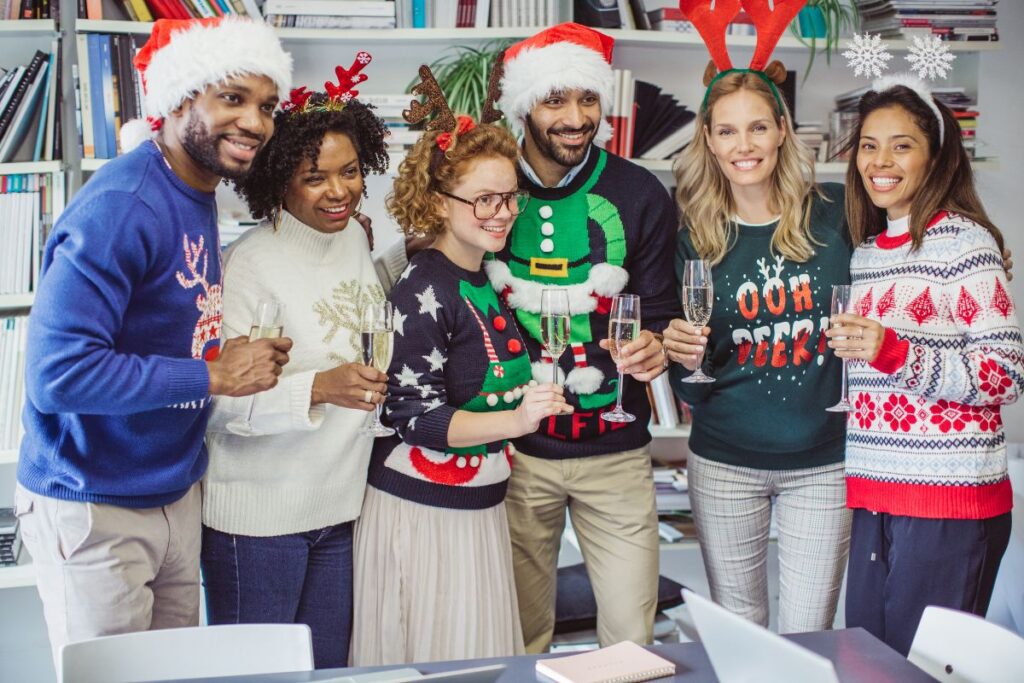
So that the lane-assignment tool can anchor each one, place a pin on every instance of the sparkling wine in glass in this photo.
(377, 330)
(623, 327)
(841, 304)
(554, 325)
(268, 323)
(698, 298)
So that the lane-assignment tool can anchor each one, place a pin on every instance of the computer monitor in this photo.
(742, 651)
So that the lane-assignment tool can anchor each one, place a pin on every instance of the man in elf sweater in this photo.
(596, 226)
(124, 344)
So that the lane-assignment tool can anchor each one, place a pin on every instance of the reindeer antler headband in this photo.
(444, 120)
(338, 95)
(712, 17)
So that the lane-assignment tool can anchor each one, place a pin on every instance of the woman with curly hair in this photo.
(433, 557)
(279, 502)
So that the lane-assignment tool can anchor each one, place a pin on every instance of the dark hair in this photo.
(948, 185)
(297, 137)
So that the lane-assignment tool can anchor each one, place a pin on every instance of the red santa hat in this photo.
(564, 57)
(183, 57)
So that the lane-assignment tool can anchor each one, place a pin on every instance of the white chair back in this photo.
(957, 647)
(230, 650)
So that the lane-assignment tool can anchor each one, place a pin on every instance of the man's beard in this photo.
(560, 155)
(203, 148)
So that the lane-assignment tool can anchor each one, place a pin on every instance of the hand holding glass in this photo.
(698, 298)
(268, 323)
(623, 327)
(841, 304)
(377, 330)
(554, 325)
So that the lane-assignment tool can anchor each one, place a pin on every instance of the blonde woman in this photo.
(762, 439)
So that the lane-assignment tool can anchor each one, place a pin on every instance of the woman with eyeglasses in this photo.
(433, 557)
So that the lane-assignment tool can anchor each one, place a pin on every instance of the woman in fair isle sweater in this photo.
(433, 556)
(279, 503)
(936, 350)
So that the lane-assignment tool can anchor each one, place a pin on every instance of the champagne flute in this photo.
(623, 327)
(268, 323)
(841, 304)
(554, 325)
(698, 298)
(377, 330)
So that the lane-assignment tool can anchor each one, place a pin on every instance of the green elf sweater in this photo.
(774, 374)
(608, 232)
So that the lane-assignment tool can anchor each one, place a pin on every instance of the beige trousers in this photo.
(103, 570)
(611, 505)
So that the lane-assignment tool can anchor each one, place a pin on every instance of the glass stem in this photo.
(846, 386)
(248, 413)
(376, 417)
(618, 397)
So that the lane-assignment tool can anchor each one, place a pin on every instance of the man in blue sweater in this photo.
(124, 344)
(596, 226)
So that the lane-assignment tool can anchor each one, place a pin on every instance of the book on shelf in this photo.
(949, 19)
(29, 111)
(29, 204)
(646, 122)
(13, 335)
(10, 540)
(620, 663)
(108, 92)
(12, 10)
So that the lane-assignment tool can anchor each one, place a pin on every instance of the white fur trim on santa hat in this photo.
(534, 73)
(133, 133)
(203, 55)
(919, 87)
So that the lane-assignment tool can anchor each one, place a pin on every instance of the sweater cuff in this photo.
(305, 415)
(187, 380)
(893, 353)
(431, 429)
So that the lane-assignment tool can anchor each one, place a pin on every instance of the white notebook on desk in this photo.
(624, 662)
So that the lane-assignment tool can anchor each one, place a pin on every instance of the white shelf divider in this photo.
(93, 164)
(830, 168)
(22, 575)
(622, 37)
(9, 456)
(14, 301)
(30, 167)
(23, 27)
(678, 432)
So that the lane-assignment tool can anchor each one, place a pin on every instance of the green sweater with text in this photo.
(774, 373)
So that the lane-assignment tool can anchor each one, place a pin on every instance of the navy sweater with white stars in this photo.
(774, 375)
(456, 348)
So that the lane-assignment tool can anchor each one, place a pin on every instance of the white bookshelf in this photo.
(22, 575)
(30, 167)
(25, 27)
(678, 432)
(830, 168)
(15, 301)
(8, 456)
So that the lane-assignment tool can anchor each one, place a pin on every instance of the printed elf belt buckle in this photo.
(549, 267)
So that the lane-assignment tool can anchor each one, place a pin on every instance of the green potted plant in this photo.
(462, 72)
(825, 21)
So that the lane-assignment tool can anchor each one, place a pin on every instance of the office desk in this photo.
(859, 658)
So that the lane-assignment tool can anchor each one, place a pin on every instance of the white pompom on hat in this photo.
(183, 57)
(568, 56)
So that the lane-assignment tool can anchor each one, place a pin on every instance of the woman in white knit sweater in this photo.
(279, 504)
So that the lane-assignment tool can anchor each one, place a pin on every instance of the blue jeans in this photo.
(301, 578)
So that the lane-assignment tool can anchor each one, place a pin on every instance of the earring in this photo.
(275, 217)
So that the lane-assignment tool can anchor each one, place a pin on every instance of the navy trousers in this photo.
(303, 578)
(900, 565)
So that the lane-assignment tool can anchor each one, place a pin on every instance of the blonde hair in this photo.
(705, 196)
(426, 169)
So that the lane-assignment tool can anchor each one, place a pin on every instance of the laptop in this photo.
(481, 674)
(742, 651)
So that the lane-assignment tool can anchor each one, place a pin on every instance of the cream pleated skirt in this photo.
(432, 583)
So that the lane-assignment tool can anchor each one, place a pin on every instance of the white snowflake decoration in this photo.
(867, 55)
(930, 57)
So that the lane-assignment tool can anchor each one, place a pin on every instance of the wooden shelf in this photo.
(677, 432)
(623, 38)
(19, 576)
(30, 167)
(24, 27)
(14, 301)
(8, 457)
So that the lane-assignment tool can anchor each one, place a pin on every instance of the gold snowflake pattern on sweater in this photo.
(342, 311)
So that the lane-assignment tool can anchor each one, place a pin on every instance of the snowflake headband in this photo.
(712, 17)
(338, 95)
(929, 57)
